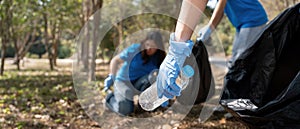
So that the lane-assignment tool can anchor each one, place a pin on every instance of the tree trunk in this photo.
(23, 44)
(54, 35)
(93, 52)
(3, 51)
(2, 57)
(56, 31)
(5, 31)
(55, 47)
(17, 57)
(96, 21)
(89, 46)
(23, 50)
(48, 48)
(87, 12)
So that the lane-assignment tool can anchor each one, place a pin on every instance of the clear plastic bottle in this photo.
(149, 99)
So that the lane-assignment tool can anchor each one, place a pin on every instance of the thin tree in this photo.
(88, 52)
(5, 29)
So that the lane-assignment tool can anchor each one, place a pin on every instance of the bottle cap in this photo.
(188, 71)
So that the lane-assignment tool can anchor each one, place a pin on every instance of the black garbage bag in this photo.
(262, 88)
(202, 86)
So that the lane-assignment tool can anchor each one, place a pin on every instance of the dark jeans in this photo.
(121, 100)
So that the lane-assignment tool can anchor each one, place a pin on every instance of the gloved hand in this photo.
(205, 33)
(108, 82)
(170, 68)
(165, 104)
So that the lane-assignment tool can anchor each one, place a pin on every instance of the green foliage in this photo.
(38, 48)
(10, 51)
(64, 52)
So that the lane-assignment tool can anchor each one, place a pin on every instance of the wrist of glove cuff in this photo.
(180, 50)
(109, 81)
(112, 76)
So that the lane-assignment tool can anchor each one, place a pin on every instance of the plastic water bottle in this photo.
(149, 99)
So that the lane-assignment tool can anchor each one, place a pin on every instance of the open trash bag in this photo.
(202, 86)
(262, 88)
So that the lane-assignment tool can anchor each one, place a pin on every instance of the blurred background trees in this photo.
(48, 28)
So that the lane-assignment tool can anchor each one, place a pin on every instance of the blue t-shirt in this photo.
(245, 13)
(133, 67)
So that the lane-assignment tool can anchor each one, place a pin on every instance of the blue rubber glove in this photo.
(165, 104)
(205, 33)
(170, 68)
(108, 82)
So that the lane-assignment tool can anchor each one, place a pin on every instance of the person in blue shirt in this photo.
(139, 62)
(248, 16)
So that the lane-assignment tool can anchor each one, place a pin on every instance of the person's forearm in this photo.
(114, 65)
(217, 14)
(189, 16)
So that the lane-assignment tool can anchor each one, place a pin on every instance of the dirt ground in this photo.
(38, 98)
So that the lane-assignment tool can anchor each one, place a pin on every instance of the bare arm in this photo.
(217, 14)
(189, 16)
(114, 64)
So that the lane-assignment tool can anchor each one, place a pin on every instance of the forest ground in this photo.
(36, 97)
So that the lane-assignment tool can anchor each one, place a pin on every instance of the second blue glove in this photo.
(108, 82)
(205, 33)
